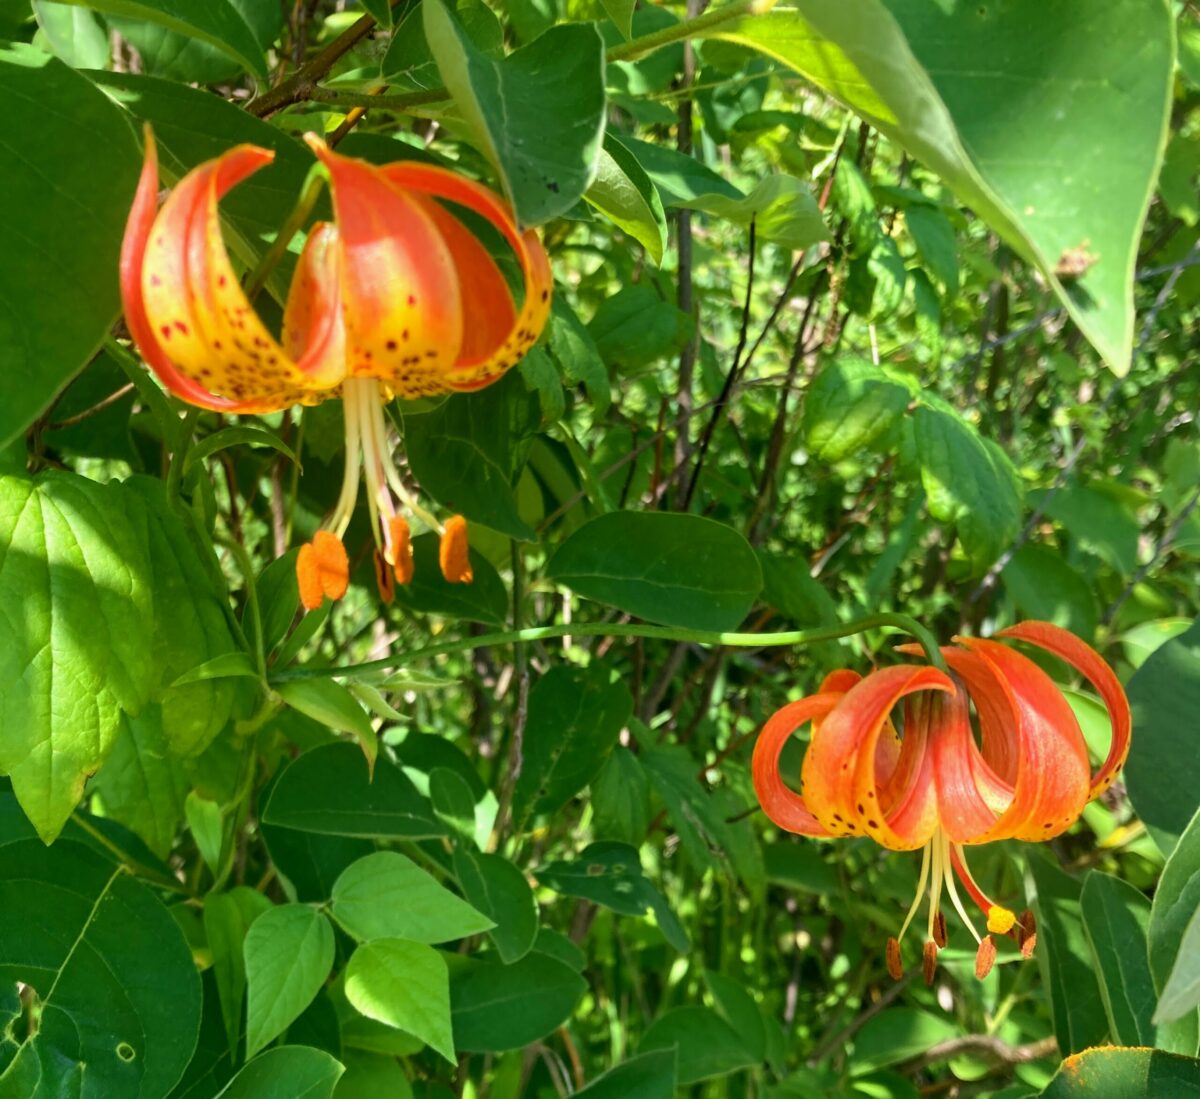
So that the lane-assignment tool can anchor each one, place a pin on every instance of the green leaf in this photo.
(1115, 919)
(574, 718)
(371, 1075)
(934, 237)
(1064, 958)
(404, 985)
(227, 918)
(217, 22)
(1098, 521)
(1176, 900)
(635, 327)
(782, 208)
(851, 404)
(647, 1076)
(537, 114)
(498, 1007)
(289, 953)
(621, 13)
(898, 1034)
(1181, 994)
(329, 790)
(142, 784)
(207, 825)
(681, 570)
(969, 482)
(625, 195)
(1045, 587)
(621, 799)
(939, 82)
(75, 35)
(388, 896)
(611, 874)
(236, 436)
(705, 1045)
(500, 891)
(706, 837)
(678, 177)
(234, 665)
(465, 453)
(1164, 694)
(453, 803)
(329, 703)
(287, 1072)
(72, 213)
(1112, 1071)
(114, 978)
(485, 599)
(381, 10)
(75, 588)
(739, 1010)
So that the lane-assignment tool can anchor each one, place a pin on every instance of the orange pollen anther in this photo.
(985, 957)
(453, 553)
(384, 579)
(929, 961)
(401, 539)
(895, 965)
(322, 569)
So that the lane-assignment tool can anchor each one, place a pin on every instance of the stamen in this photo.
(985, 957)
(929, 962)
(922, 878)
(1000, 920)
(952, 889)
(453, 553)
(935, 881)
(322, 569)
(1027, 933)
(384, 579)
(895, 966)
(400, 544)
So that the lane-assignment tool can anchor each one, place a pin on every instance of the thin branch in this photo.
(988, 1045)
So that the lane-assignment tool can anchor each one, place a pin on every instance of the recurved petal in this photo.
(1091, 665)
(400, 292)
(784, 806)
(475, 368)
(194, 303)
(841, 784)
(1052, 770)
(313, 329)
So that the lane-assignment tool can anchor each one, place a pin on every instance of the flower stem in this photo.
(794, 638)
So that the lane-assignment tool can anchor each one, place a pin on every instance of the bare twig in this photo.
(988, 1045)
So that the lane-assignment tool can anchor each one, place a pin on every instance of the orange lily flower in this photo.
(395, 297)
(934, 787)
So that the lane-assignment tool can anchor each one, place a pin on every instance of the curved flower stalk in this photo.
(935, 788)
(395, 297)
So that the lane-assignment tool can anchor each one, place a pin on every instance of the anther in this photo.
(929, 961)
(939, 930)
(1026, 930)
(453, 553)
(895, 966)
(322, 569)
(401, 539)
(985, 957)
(384, 580)
(1000, 920)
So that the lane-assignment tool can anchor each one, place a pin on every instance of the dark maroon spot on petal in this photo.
(412, 300)
(166, 331)
(391, 345)
(181, 328)
(217, 345)
(221, 280)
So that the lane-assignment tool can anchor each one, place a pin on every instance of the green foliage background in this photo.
(884, 306)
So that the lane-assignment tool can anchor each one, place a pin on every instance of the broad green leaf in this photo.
(329, 790)
(851, 404)
(636, 326)
(969, 482)
(75, 586)
(537, 114)
(370, 1076)
(898, 1034)
(705, 1045)
(289, 953)
(621, 799)
(621, 13)
(227, 918)
(799, 866)
(74, 34)
(142, 783)
(706, 837)
(405, 985)
(611, 874)
(1115, 919)
(234, 665)
(933, 234)
(1111, 1071)
(1098, 522)
(217, 22)
(206, 822)
(572, 346)
(1176, 900)
(647, 1076)
(625, 195)
(739, 1010)
(1146, 638)
(574, 718)
(1165, 696)
(499, 890)
(453, 803)
(381, 10)
(782, 208)
(1071, 175)
(485, 599)
(329, 703)
(681, 570)
(1064, 958)
(70, 169)
(409, 61)
(679, 177)
(388, 896)
(1044, 586)
(286, 1072)
(497, 1007)
(1181, 993)
(466, 453)
(116, 986)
